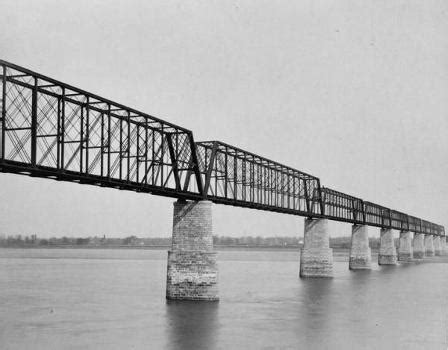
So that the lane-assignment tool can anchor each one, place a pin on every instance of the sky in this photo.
(354, 92)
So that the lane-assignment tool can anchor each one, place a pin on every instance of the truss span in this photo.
(237, 177)
(54, 130)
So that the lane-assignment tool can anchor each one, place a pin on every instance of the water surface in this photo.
(115, 299)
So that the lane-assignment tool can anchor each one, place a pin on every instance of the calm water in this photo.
(115, 299)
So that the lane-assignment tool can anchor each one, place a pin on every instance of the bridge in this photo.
(53, 130)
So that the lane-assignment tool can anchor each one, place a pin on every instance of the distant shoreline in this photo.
(149, 247)
(167, 247)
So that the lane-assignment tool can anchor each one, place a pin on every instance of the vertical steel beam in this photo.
(81, 140)
(87, 134)
(226, 175)
(109, 140)
(61, 139)
(294, 193)
(235, 176)
(243, 178)
(269, 186)
(137, 159)
(120, 154)
(102, 146)
(273, 187)
(34, 123)
(252, 180)
(216, 176)
(128, 164)
(153, 160)
(282, 191)
(162, 157)
(3, 115)
(58, 128)
(146, 152)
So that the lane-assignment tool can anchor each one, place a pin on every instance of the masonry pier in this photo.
(429, 245)
(418, 246)
(436, 241)
(405, 246)
(192, 272)
(316, 257)
(443, 245)
(387, 254)
(360, 253)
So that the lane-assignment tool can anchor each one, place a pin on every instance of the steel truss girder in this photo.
(232, 174)
(342, 207)
(53, 130)
(47, 124)
(274, 187)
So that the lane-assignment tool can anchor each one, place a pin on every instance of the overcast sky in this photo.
(354, 92)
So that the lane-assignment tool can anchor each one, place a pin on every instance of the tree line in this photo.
(134, 241)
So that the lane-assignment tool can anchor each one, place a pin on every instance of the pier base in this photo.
(437, 250)
(360, 254)
(418, 247)
(192, 272)
(405, 246)
(429, 245)
(316, 257)
(387, 254)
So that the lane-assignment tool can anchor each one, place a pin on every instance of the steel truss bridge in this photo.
(53, 130)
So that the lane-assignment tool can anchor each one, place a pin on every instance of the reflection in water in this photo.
(316, 300)
(191, 324)
(331, 307)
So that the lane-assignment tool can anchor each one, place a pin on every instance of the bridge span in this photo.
(54, 130)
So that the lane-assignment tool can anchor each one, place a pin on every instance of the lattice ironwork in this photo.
(343, 207)
(237, 177)
(54, 130)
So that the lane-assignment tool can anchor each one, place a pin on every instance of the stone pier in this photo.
(429, 245)
(192, 272)
(1, 123)
(437, 250)
(418, 247)
(387, 254)
(442, 245)
(360, 254)
(405, 246)
(316, 257)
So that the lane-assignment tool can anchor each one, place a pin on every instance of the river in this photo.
(115, 299)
